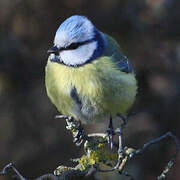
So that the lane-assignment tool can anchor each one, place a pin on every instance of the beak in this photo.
(53, 50)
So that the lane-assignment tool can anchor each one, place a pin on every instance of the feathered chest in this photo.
(98, 86)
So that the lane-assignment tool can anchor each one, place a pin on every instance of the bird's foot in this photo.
(76, 128)
(110, 133)
(79, 134)
(71, 123)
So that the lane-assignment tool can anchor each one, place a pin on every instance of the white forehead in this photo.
(74, 29)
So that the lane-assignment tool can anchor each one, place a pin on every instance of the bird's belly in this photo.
(73, 93)
(72, 100)
(86, 94)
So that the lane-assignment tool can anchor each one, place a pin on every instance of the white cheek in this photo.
(79, 55)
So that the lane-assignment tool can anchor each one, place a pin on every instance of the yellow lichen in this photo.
(100, 145)
(88, 160)
(93, 158)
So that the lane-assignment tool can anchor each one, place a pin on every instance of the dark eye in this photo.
(76, 45)
(73, 46)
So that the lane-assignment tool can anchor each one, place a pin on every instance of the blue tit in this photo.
(87, 76)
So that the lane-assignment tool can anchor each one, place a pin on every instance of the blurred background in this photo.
(148, 32)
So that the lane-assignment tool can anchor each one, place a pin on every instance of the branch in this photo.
(173, 158)
(96, 155)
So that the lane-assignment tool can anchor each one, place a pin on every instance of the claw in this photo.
(76, 128)
(79, 136)
(63, 117)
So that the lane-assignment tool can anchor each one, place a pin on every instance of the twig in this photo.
(48, 177)
(127, 175)
(90, 163)
(168, 134)
(11, 166)
(77, 175)
(172, 160)
(92, 171)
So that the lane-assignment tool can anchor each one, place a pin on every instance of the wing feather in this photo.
(113, 49)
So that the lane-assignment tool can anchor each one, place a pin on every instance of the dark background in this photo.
(148, 32)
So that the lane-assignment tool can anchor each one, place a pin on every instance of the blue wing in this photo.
(113, 49)
(123, 64)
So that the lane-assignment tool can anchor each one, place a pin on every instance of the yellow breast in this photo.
(102, 89)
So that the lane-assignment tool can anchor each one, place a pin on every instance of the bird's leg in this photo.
(110, 133)
(79, 135)
(121, 149)
(118, 131)
(76, 128)
(77, 131)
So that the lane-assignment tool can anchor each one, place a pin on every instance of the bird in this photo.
(87, 76)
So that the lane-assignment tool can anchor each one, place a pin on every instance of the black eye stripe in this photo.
(76, 45)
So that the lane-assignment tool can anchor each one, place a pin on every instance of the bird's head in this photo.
(77, 42)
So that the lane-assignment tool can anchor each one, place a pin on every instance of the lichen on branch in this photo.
(98, 157)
